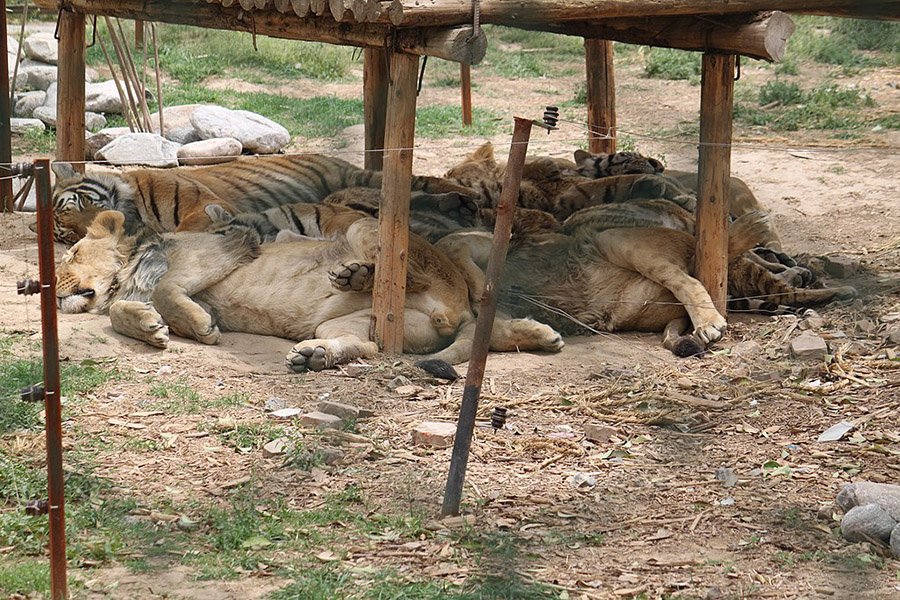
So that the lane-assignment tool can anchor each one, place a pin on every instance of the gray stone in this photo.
(27, 102)
(841, 266)
(892, 335)
(885, 495)
(809, 346)
(42, 46)
(598, 433)
(866, 326)
(209, 152)
(22, 125)
(320, 420)
(870, 521)
(36, 77)
(255, 132)
(47, 114)
(140, 149)
(102, 97)
(277, 447)
(434, 433)
(93, 121)
(345, 411)
(12, 48)
(747, 348)
(895, 541)
(94, 142)
(177, 123)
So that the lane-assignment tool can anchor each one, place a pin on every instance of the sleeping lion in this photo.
(317, 292)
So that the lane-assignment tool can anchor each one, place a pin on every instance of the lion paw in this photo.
(155, 330)
(353, 277)
(710, 332)
(211, 336)
(307, 356)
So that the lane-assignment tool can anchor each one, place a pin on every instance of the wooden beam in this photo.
(465, 89)
(601, 95)
(714, 173)
(389, 293)
(6, 186)
(375, 92)
(761, 35)
(453, 44)
(433, 13)
(70, 98)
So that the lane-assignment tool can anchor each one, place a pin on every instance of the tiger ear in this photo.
(64, 170)
(657, 165)
(484, 152)
(109, 223)
(582, 156)
(218, 214)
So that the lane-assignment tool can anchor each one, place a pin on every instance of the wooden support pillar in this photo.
(601, 95)
(389, 293)
(6, 186)
(375, 91)
(70, 99)
(465, 88)
(714, 173)
(138, 33)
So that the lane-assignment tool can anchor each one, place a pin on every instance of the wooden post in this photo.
(6, 186)
(52, 410)
(375, 91)
(485, 323)
(138, 34)
(70, 100)
(714, 173)
(601, 95)
(465, 88)
(389, 293)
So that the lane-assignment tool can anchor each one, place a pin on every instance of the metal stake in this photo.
(481, 342)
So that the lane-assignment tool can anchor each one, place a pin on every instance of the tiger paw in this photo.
(353, 277)
(464, 209)
(308, 356)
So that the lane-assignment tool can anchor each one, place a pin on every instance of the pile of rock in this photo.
(194, 134)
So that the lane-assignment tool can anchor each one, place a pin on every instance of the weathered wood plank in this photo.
(375, 93)
(70, 98)
(601, 95)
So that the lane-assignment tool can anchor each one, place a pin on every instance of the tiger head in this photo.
(78, 198)
(86, 279)
(480, 171)
(596, 166)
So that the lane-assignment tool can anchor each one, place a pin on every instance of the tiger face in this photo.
(596, 166)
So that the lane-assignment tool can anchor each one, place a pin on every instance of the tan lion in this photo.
(314, 291)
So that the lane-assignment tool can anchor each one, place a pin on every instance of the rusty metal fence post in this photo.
(481, 342)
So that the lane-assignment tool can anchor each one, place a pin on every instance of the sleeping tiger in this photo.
(174, 199)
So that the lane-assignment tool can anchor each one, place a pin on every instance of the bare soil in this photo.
(656, 522)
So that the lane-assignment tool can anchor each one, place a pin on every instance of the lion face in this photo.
(87, 274)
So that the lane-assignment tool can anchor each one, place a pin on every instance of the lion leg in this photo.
(662, 255)
(139, 320)
(507, 335)
(185, 317)
(468, 250)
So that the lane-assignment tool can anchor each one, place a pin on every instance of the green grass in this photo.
(35, 142)
(245, 437)
(839, 42)
(178, 397)
(827, 106)
(441, 121)
(667, 63)
(25, 576)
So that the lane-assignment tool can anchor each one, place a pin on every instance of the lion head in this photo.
(86, 278)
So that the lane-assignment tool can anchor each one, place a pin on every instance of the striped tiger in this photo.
(174, 199)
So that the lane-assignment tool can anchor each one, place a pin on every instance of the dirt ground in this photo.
(653, 520)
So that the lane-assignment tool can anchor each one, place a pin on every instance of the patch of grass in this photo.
(824, 107)
(870, 35)
(780, 92)
(25, 577)
(245, 437)
(556, 46)
(191, 54)
(835, 41)
(443, 121)
(180, 398)
(35, 142)
(315, 584)
(668, 63)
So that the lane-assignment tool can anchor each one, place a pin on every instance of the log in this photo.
(389, 292)
(340, 10)
(757, 35)
(300, 7)
(714, 174)
(515, 13)
(70, 98)
(601, 95)
(449, 44)
(375, 91)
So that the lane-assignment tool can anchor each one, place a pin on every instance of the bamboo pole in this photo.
(714, 174)
(70, 100)
(375, 91)
(52, 409)
(488, 308)
(129, 66)
(601, 95)
(389, 291)
(127, 107)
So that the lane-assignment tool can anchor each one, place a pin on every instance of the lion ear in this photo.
(657, 165)
(107, 223)
(218, 214)
(484, 152)
(64, 171)
(582, 155)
